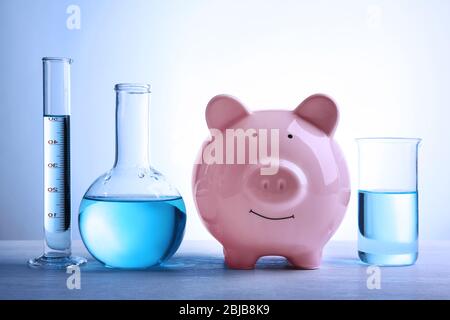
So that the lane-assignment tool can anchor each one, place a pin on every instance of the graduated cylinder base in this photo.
(56, 252)
(55, 262)
(388, 259)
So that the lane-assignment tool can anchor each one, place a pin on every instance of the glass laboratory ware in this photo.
(131, 217)
(388, 201)
(57, 203)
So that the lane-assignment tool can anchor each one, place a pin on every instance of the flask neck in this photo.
(132, 125)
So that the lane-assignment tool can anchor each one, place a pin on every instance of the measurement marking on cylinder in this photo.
(57, 173)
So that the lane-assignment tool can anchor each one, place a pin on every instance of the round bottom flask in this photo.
(131, 217)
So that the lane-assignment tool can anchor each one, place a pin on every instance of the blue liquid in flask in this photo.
(388, 227)
(132, 233)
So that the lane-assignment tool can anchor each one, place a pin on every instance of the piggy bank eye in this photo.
(290, 136)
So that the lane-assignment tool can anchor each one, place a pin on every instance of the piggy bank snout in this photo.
(284, 185)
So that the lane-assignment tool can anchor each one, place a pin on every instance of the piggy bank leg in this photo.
(237, 259)
(308, 260)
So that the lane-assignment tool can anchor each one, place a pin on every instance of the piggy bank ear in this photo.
(223, 110)
(321, 111)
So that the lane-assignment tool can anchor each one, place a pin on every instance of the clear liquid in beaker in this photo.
(388, 227)
(132, 233)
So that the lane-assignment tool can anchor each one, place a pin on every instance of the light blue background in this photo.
(386, 63)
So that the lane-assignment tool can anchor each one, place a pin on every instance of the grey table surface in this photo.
(197, 272)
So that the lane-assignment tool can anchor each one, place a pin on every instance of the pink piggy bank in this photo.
(271, 182)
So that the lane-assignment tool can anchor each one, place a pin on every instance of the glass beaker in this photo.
(131, 217)
(388, 201)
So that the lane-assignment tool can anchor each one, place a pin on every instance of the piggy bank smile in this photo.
(270, 218)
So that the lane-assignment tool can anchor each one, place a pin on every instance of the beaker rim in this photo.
(133, 87)
(389, 140)
(58, 59)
